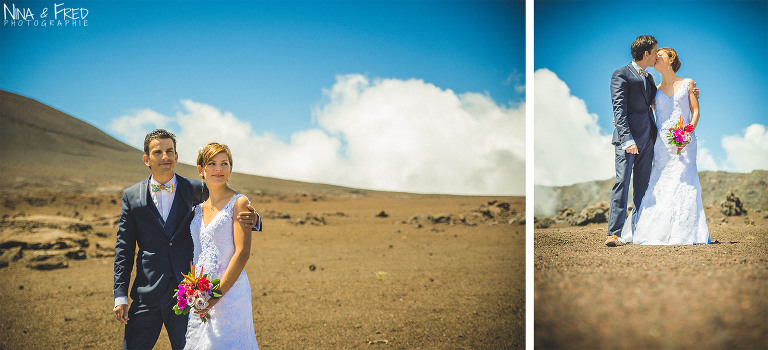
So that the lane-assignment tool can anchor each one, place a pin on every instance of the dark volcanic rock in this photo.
(565, 214)
(595, 214)
(48, 264)
(8, 255)
(733, 206)
(310, 219)
(543, 222)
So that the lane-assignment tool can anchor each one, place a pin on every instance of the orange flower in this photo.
(191, 277)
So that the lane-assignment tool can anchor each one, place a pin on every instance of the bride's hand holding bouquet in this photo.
(199, 293)
(680, 135)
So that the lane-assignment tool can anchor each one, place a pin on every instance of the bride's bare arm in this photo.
(694, 102)
(242, 238)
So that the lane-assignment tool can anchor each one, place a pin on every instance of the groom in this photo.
(155, 218)
(633, 92)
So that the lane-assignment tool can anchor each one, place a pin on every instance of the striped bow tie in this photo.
(155, 188)
(643, 72)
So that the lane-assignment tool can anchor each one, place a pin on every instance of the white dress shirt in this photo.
(163, 201)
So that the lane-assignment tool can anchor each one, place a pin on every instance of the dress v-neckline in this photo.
(202, 218)
(674, 92)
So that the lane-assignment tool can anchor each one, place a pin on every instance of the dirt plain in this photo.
(589, 296)
(453, 272)
(334, 268)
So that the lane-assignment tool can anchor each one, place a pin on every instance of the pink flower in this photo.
(181, 303)
(181, 292)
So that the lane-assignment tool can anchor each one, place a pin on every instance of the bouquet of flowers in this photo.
(679, 135)
(195, 292)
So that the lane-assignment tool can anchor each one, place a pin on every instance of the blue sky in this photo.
(272, 67)
(723, 46)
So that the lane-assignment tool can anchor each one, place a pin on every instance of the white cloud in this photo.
(704, 159)
(131, 127)
(748, 152)
(569, 146)
(516, 78)
(386, 134)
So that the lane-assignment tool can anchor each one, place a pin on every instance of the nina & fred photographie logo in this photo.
(56, 15)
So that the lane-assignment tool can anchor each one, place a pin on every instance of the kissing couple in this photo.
(667, 206)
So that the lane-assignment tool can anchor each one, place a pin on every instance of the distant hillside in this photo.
(46, 148)
(752, 188)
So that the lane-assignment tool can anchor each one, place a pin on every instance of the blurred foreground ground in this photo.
(589, 296)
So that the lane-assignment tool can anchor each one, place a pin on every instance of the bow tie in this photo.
(155, 188)
(643, 72)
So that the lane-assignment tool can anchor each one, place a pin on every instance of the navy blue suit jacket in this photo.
(164, 248)
(632, 108)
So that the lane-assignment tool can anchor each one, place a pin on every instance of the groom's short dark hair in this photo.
(158, 134)
(642, 44)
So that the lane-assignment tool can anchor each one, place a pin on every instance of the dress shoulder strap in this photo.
(230, 207)
(687, 82)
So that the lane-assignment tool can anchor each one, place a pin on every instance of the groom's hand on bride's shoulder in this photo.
(248, 218)
(121, 312)
(695, 90)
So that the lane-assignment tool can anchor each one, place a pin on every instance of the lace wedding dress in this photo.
(231, 322)
(671, 211)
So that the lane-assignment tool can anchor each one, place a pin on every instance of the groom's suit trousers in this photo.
(638, 168)
(632, 96)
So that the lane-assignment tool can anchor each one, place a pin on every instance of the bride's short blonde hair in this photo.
(210, 150)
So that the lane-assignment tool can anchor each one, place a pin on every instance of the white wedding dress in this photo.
(231, 322)
(671, 211)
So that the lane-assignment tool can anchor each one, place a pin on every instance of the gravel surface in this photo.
(589, 296)
(346, 278)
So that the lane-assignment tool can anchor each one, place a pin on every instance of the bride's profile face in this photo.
(662, 60)
(217, 170)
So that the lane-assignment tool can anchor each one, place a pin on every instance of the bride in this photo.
(222, 248)
(671, 211)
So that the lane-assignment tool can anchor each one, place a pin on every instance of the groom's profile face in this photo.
(654, 54)
(162, 156)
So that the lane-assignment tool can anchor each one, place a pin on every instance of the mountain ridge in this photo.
(751, 187)
(45, 148)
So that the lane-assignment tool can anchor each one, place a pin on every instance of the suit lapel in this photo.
(183, 192)
(651, 87)
(182, 205)
(640, 78)
(146, 201)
